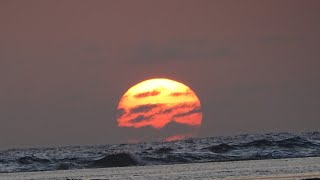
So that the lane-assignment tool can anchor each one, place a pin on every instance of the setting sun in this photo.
(158, 102)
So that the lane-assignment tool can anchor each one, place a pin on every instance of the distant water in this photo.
(241, 147)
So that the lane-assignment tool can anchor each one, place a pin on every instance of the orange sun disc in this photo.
(161, 109)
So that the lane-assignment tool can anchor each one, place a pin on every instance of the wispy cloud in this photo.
(147, 94)
(140, 118)
(144, 108)
(193, 111)
(180, 94)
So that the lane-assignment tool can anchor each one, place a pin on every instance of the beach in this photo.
(284, 169)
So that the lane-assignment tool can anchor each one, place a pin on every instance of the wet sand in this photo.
(283, 169)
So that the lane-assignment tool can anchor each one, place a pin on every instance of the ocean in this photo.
(240, 148)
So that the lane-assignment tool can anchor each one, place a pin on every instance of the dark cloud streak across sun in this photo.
(180, 94)
(147, 94)
(193, 111)
(140, 118)
(144, 108)
(146, 112)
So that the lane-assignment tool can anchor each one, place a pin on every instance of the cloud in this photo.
(180, 94)
(120, 112)
(193, 111)
(174, 128)
(143, 108)
(178, 106)
(147, 94)
(149, 133)
(177, 51)
(186, 105)
(167, 111)
(140, 118)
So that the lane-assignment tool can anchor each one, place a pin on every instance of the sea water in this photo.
(198, 150)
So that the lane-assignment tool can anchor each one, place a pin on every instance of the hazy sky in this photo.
(64, 65)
